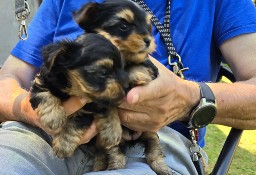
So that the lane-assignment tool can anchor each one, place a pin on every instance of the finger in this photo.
(89, 133)
(154, 90)
(73, 104)
(144, 107)
(137, 121)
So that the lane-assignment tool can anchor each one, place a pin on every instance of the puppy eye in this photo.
(124, 27)
(103, 73)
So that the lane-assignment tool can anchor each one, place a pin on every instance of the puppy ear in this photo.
(51, 53)
(84, 14)
(57, 53)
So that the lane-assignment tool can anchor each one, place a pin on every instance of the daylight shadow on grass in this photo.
(244, 162)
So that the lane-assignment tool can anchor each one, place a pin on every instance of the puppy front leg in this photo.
(109, 127)
(116, 158)
(49, 109)
(100, 160)
(153, 153)
(68, 139)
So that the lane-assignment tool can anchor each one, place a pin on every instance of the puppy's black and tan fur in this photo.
(128, 27)
(90, 67)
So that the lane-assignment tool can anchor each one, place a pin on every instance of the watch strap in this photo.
(206, 92)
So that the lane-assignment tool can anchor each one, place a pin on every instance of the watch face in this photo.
(203, 116)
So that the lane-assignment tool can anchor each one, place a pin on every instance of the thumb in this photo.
(152, 90)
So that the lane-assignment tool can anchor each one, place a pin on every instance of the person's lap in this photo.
(23, 150)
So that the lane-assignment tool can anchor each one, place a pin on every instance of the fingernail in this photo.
(135, 98)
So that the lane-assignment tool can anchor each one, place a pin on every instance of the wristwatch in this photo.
(206, 110)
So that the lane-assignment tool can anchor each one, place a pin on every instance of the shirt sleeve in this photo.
(233, 18)
(40, 33)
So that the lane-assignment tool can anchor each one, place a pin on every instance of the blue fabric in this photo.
(198, 28)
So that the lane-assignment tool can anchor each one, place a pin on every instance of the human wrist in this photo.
(23, 111)
(193, 91)
(196, 96)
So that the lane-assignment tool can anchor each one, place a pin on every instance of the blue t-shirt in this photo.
(198, 28)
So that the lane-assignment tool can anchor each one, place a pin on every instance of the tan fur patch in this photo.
(113, 90)
(37, 80)
(148, 18)
(140, 75)
(52, 114)
(126, 14)
(105, 62)
(80, 88)
(112, 39)
(135, 44)
(133, 49)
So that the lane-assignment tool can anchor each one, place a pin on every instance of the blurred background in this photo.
(10, 26)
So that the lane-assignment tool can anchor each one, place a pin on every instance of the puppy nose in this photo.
(147, 41)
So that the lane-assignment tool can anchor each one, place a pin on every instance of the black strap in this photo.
(206, 92)
(164, 29)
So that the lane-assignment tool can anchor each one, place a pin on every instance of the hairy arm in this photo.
(15, 80)
(237, 102)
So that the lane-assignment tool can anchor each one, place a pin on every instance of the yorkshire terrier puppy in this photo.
(129, 28)
(90, 67)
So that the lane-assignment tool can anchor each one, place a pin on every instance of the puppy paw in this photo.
(99, 166)
(65, 144)
(160, 167)
(62, 153)
(63, 150)
(116, 158)
(118, 163)
(100, 160)
(140, 75)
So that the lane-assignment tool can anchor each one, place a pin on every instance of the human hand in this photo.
(166, 99)
(70, 106)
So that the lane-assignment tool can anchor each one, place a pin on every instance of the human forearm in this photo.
(236, 104)
(11, 97)
(237, 101)
(15, 77)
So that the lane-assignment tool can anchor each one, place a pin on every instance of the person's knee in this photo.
(24, 151)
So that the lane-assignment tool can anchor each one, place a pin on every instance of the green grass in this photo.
(244, 162)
